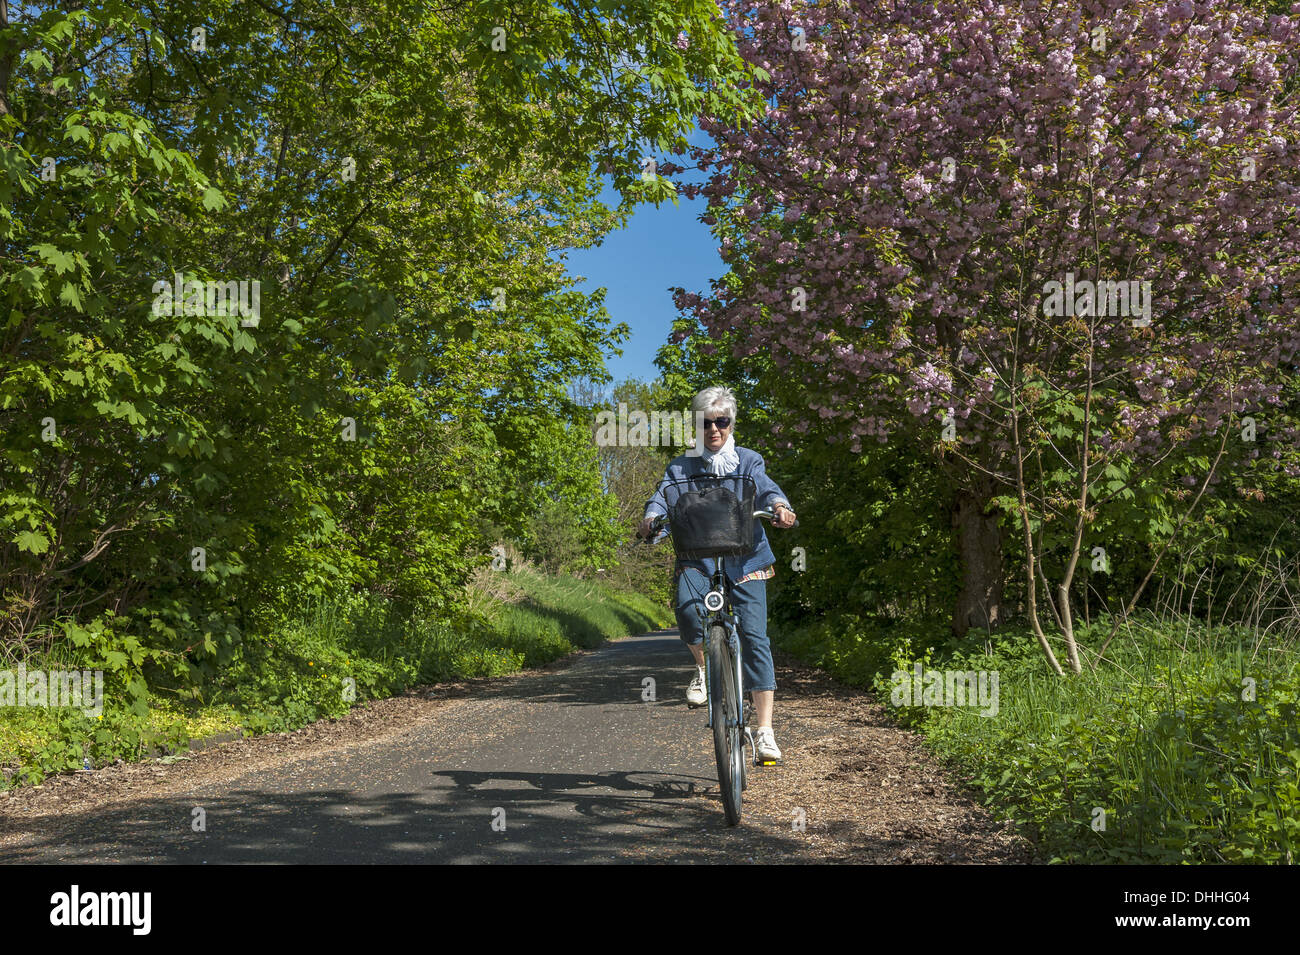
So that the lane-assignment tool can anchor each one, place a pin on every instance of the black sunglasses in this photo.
(722, 423)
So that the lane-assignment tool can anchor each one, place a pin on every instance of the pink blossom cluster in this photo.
(924, 169)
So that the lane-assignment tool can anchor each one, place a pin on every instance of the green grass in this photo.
(1158, 756)
(561, 614)
(321, 665)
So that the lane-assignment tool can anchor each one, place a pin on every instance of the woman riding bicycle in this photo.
(716, 453)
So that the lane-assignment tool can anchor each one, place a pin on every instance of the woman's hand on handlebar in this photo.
(646, 527)
(783, 517)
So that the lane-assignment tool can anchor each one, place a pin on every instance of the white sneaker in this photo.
(696, 695)
(765, 745)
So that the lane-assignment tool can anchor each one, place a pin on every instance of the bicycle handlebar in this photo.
(662, 519)
(770, 516)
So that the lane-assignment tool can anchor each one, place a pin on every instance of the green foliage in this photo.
(289, 681)
(887, 514)
(35, 743)
(176, 486)
(1165, 740)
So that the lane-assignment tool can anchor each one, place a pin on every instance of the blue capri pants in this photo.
(749, 602)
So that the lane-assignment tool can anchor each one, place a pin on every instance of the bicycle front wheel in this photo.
(726, 722)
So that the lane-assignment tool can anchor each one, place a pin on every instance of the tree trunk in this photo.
(979, 544)
(6, 62)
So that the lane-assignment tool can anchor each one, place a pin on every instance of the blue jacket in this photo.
(767, 496)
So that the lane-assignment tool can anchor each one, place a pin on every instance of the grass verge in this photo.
(1182, 747)
(321, 665)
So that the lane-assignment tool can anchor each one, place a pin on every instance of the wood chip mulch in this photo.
(870, 791)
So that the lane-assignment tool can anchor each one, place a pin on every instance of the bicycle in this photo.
(724, 681)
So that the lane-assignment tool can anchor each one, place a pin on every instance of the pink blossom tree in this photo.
(1058, 238)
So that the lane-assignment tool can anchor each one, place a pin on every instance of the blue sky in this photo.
(659, 248)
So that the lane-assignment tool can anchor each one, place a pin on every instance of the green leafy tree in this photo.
(396, 179)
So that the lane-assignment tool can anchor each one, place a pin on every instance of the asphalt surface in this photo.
(560, 765)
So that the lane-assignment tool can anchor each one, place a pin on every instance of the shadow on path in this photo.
(626, 816)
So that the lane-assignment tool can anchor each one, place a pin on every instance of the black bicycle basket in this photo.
(713, 519)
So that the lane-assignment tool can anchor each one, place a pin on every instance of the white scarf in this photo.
(724, 460)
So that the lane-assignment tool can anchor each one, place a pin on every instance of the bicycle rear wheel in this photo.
(726, 722)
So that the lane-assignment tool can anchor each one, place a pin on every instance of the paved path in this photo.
(572, 763)
(568, 761)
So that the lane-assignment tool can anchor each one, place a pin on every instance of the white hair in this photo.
(716, 398)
